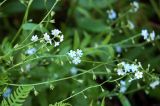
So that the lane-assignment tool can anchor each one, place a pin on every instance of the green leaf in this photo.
(3, 78)
(86, 41)
(96, 3)
(124, 100)
(106, 52)
(76, 40)
(31, 26)
(17, 97)
(107, 39)
(23, 57)
(13, 7)
(103, 101)
(83, 11)
(93, 25)
(6, 46)
(17, 6)
(91, 104)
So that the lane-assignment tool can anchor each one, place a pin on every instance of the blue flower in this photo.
(73, 70)
(118, 49)
(7, 93)
(123, 87)
(112, 14)
(31, 51)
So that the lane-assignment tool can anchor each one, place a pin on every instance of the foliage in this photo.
(18, 97)
(79, 52)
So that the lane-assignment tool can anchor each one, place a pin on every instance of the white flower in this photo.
(145, 34)
(134, 67)
(76, 60)
(55, 32)
(127, 67)
(112, 14)
(152, 35)
(61, 38)
(135, 6)
(56, 44)
(120, 72)
(31, 51)
(122, 63)
(72, 54)
(154, 84)
(47, 38)
(34, 38)
(130, 24)
(79, 53)
(138, 75)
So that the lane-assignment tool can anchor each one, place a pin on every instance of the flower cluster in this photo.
(124, 68)
(112, 14)
(75, 55)
(148, 36)
(56, 37)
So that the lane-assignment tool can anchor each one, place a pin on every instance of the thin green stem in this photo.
(41, 20)
(40, 57)
(2, 2)
(119, 43)
(51, 81)
(90, 87)
(24, 20)
(122, 16)
(126, 40)
(99, 85)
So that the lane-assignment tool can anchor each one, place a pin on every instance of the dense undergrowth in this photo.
(79, 52)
